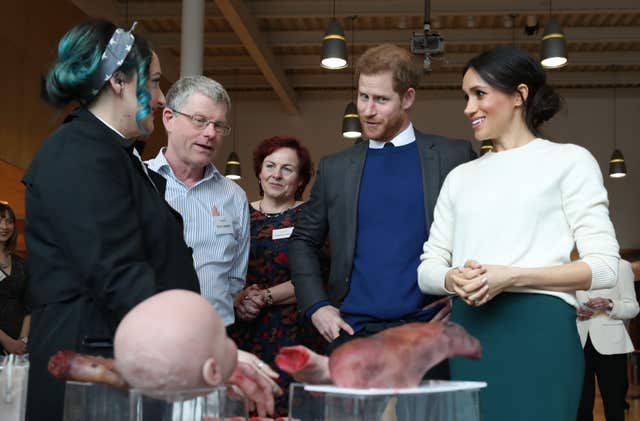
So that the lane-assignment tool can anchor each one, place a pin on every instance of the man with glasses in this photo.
(214, 208)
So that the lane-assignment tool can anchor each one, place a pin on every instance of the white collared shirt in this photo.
(405, 137)
(108, 125)
(220, 258)
(134, 151)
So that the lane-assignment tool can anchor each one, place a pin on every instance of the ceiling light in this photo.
(233, 170)
(554, 44)
(617, 167)
(334, 45)
(351, 126)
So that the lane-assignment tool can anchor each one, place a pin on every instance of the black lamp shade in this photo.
(617, 168)
(334, 47)
(485, 147)
(554, 46)
(351, 127)
(232, 170)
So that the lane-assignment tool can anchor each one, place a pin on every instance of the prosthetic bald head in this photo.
(174, 340)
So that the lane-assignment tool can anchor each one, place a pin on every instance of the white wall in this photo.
(587, 120)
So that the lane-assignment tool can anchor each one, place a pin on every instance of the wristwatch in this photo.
(269, 297)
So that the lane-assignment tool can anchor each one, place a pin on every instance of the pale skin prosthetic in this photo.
(174, 340)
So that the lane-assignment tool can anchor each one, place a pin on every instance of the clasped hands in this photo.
(478, 284)
(249, 302)
(587, 310)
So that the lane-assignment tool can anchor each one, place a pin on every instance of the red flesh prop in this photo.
(304, 365)
(394, 358)
(69, 365)
(399, 357)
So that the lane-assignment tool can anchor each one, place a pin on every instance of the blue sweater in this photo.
(390, 235)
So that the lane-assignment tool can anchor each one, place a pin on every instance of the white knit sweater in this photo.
(524, 207)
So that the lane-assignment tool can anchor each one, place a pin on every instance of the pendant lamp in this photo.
(617, 167)
(554, 44)
(351, 127)
(232, 170)
(486, 146)
(334, 45)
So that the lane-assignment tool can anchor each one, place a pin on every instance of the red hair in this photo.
(272, 144)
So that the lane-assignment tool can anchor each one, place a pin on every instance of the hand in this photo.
(478, 284)
(497, 279)
(264, 369)
(328, 322)
(465, 280)
(584, 312)
(15, 346)
(256, 387)
(444, 313)
(599, 304)
(249, 302)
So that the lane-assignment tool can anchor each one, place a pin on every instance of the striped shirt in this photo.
(220, 255)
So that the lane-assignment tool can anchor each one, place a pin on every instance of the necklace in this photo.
(273, 214)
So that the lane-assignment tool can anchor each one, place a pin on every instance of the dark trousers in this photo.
(438, 372)
(611, 371)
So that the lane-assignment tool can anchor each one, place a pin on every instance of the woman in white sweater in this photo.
(504, 227)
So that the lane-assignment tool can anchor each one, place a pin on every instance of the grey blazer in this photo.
(333, 207)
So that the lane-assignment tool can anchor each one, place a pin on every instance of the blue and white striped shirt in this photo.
(219, 259)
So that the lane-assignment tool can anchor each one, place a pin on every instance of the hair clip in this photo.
(114, 55)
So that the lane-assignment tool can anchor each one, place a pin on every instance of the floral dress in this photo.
(278, 325)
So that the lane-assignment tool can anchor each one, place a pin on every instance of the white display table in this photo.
(95, 402)
(433, 400)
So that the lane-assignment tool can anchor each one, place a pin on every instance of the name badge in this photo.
(223, 224)
(281, 233)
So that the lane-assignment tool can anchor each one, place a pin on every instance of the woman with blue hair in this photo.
(100, 237)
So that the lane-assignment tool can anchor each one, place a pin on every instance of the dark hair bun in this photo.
(79, 54)
(61, 85)
(505, 68)
(544, 104)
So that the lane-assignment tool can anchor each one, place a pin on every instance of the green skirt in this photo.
(532, 359)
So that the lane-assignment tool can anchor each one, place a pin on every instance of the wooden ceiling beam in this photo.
(345, 8)
(399, 36)
(243, 23)
(312, 61)
(110, 10)
(435, 80)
